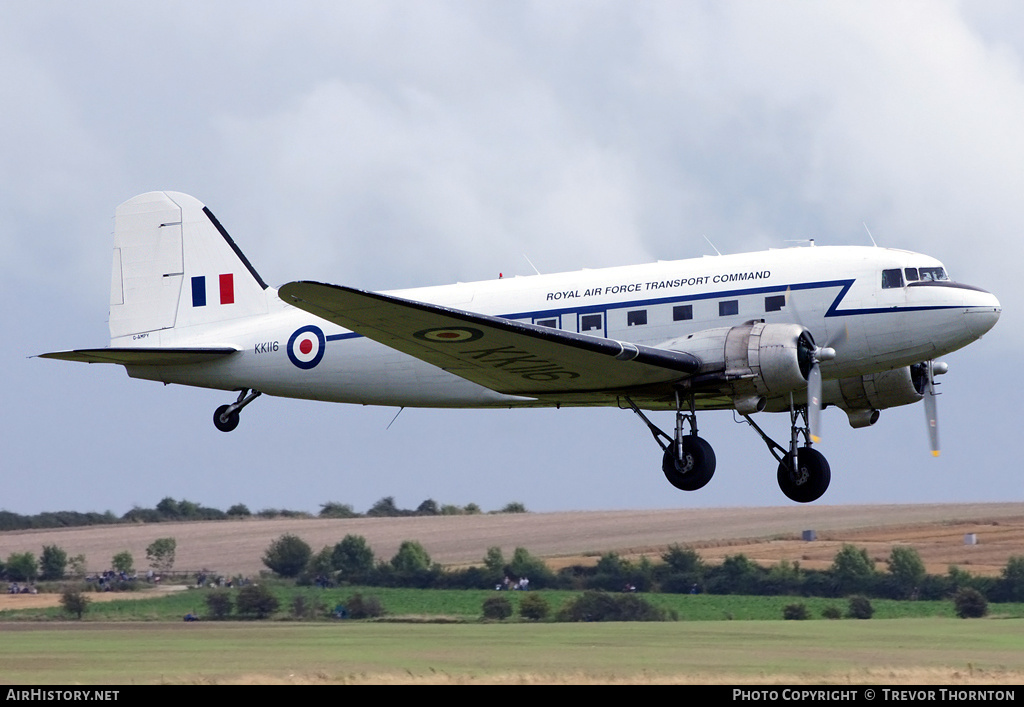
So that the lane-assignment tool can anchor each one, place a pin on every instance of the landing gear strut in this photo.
(226, 417)
(688, 461)
(804, 473)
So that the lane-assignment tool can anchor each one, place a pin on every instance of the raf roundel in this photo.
(449, 335)
(306, 347)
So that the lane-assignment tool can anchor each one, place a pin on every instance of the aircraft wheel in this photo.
(811, 478)
(225, 425)
(696, 467)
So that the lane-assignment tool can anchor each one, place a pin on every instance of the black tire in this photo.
(811, 479)
(225, 425)
(696, 468)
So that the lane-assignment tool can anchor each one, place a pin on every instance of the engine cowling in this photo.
(766, 359)
(863, 396)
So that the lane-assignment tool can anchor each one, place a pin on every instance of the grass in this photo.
(908, 651)
(465, 605)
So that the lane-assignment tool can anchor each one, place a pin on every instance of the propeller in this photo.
(931, 408)
(811, 358)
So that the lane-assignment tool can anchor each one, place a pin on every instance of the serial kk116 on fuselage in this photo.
(790, 330)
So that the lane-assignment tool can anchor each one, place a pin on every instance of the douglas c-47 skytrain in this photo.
(735, 332)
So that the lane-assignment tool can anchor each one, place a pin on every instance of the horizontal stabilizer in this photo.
(508, 356)
(141, 356)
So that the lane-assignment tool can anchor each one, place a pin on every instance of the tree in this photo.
(76, 565)
(428, 508)
(906, 569)
(288, 555)
(74, 602)
(160, 554)
(239, 510)
(524, 564)
(352, 557)
(123, 562)
(53, 563)
(410, 558)
(332, 509)
(384, 508)
(494, 561)
(852, 569)
(1010, 586)
(21, 567)
(513, 507)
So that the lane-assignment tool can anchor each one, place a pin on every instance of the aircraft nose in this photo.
(983, 310)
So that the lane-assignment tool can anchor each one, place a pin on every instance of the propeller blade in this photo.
(931, 408)
(814, 401)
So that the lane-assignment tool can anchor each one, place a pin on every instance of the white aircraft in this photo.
(735, 332)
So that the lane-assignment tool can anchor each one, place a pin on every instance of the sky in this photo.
(391, 144)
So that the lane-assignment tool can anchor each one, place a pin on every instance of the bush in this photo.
(219, 605)
(534, 607)
(795, 612)
(288, 555)
(598, 606)
(860, 608)
(360, 607)
(304, 607)
(74, 602)
(831, 612)
(970, 604)
(256, 601)
(497, 608)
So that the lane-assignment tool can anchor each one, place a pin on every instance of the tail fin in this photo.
(175, 266)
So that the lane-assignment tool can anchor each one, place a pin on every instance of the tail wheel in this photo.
(225, 422)
(696, 467)
(810, 479)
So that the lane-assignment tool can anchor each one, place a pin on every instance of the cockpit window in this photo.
(911, 274)
(933, 274)
(892, 278)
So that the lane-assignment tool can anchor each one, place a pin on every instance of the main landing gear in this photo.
(226, 417)
(688, 461)
(804, 473)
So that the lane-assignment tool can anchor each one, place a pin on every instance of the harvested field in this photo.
(766, 534)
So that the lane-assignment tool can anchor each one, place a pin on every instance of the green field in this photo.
(914, 651)
(465, 605)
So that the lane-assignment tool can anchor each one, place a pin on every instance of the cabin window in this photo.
(911, 274)
(933, 274)
(682, 312)
(728, 307)
(550, 323)
(892, 278)
(591, 322)
(775, 303)
(636, 317)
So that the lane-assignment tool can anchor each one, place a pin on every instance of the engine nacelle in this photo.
(877, 391)
(762, 359)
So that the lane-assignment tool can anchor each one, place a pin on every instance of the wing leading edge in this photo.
(504, 355)
(142, 356)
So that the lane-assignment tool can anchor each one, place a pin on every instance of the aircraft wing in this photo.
(142, 356)
(504, 355)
